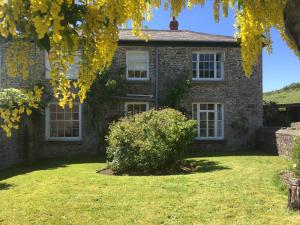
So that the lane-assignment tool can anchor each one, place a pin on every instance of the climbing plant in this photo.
(104, 92)
(176, 92)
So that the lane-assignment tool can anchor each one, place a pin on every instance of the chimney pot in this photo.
(174, 24)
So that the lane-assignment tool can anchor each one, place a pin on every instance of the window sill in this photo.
(209, 139)
(210, 80)
(137, 80)
(68, 142)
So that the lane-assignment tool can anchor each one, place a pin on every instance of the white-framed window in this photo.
(210, 120)
(73, 70)
(137, 64)
(63, 124)
(132, 108)
(208, 65)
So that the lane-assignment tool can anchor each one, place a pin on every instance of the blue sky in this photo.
(281, 68)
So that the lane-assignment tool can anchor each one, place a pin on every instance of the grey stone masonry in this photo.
(241, 96)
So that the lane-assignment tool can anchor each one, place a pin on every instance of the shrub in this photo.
(296, 155)
(149, 142)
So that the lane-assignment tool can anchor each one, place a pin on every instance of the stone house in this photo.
(226, 103)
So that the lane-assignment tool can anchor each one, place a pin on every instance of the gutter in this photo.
(156, 78)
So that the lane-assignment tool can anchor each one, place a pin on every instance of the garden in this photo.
(151, 180)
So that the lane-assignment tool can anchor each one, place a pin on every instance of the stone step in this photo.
(296, 125)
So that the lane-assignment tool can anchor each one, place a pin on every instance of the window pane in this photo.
(211, 132)
(201, 57)
(219, 133)
(211, 116)
(203, 106)
(206, 74)
(211, 107)
(201, 65)
(194, 73)
(52, 116)
(219, 57)
(206, 57)
(135, 108)
(203, 124)
(203, 133)
(60, 116)
(211, 124)
(212, 57)
(194, 65)
(194, 111)
(203, 116)
(143, 107)
(75, 116)
(194, 57)
(201, 74)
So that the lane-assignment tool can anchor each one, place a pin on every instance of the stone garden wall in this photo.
(278, 140)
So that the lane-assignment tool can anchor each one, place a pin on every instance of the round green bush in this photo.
(149, 142)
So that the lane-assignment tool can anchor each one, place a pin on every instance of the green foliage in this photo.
(149, 142)
(102, 96)
(296, 155)
(177, 90)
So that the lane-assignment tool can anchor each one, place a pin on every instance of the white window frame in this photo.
(215, 120)
(47, 125)
(215, 65)
(48, 68)
(137, 78)
(135, 103)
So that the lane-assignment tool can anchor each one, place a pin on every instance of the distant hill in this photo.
(286, 95)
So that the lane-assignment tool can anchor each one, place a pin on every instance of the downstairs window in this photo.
(210, 120)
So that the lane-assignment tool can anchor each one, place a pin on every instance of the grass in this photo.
(286, 95)
(227, 189)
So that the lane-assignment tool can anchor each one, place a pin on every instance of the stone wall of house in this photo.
(241, 96)
(278, 140)
(10, 150)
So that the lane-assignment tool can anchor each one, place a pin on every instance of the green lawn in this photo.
(226, 190)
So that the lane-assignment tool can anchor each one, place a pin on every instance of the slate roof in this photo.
(171, 36)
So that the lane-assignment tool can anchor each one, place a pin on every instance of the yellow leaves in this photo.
(14, 103)
(41, 24)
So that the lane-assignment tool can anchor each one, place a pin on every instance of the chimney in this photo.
(174, 24)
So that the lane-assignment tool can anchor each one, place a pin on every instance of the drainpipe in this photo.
(156, 78)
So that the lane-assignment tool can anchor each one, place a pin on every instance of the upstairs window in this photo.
(137, 65)
(208, 66)
(210, 120)
(63, 124)
(132, 108)
(73, 70)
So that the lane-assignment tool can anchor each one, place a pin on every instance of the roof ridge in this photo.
(184, 30)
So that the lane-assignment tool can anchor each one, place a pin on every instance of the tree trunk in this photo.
(294, 194)
(292, 21)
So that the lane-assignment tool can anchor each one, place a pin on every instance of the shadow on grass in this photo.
(204, 166)
(185, 167)
(5, 186)
(209, 153)
(49, 164)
